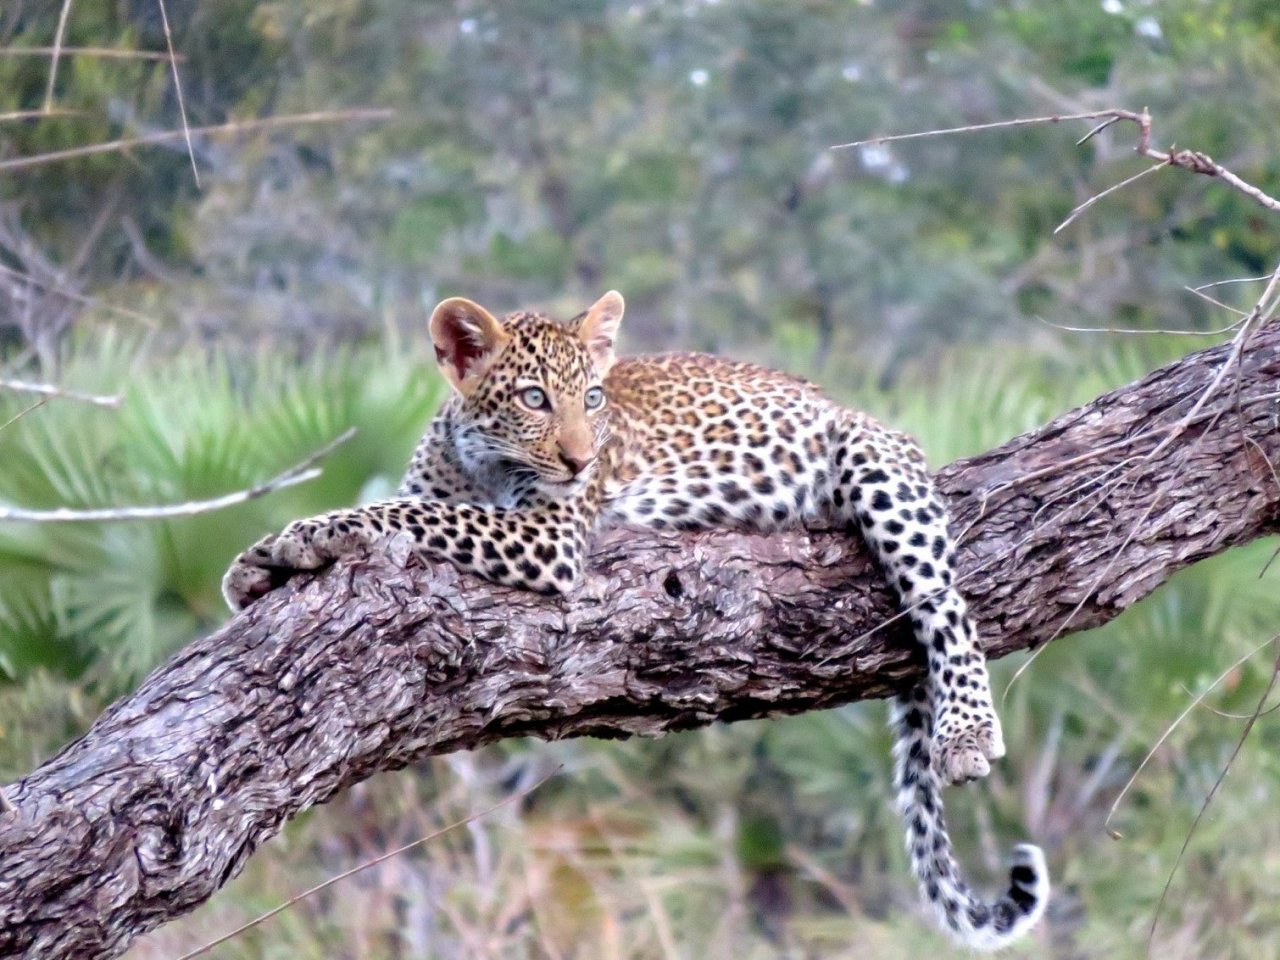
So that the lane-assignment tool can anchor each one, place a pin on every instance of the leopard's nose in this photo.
(575, 465)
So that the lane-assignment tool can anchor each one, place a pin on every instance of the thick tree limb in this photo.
(372, 666)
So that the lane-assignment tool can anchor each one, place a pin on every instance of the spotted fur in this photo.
(547, 438)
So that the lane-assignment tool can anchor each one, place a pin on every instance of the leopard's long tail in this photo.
(977, 923)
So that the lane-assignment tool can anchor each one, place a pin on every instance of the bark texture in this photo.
(373, 665)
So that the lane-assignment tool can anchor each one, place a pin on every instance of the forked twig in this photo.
(1213, 792)
(1124, 792)
(1191, 160)
(300, 472)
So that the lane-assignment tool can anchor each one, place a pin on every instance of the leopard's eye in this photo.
(594, 398)
(535, 398)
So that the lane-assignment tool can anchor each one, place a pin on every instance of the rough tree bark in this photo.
(372, 665)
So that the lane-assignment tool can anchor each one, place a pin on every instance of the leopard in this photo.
(548, 437)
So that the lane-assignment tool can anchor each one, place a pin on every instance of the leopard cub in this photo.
(548, 437)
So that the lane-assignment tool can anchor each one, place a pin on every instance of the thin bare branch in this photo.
(300, 472)
(1221, 283)
(1226, 714)
(977, 127)
(1140, 331)
(1124, 791)
(1213, 792)
(38, 114)
(1097, 130)
(50, 390)
(1081, 208)
(109, 53)
(164, 136)
(381, 858)
(23, 412)
(56, 54)
(177, 86)
(1197, 292)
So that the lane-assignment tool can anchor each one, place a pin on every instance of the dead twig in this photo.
(978, 127)
(1148, 331)
(56, 54)
(1081, 208)
(23, 412)
(110, 53)
(177, 86)
(300, 472)
(239, 126)
(50, 390)
(38, 114)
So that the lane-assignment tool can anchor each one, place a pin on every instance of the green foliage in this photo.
(113, 598)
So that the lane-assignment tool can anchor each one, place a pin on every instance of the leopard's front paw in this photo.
(303, 545)
(967, 752)
(318, 541)
(252, 575)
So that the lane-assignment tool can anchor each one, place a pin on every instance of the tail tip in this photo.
(1028, 872)
(999, 925)
(1028, 893)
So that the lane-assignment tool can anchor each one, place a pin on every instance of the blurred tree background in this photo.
(537, 154)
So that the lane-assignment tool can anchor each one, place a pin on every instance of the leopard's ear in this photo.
(598, 329)
(467, 339)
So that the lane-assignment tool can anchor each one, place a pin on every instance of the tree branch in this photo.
(372, 666)
(301, 472)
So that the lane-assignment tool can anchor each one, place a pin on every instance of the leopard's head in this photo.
(531, 389)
